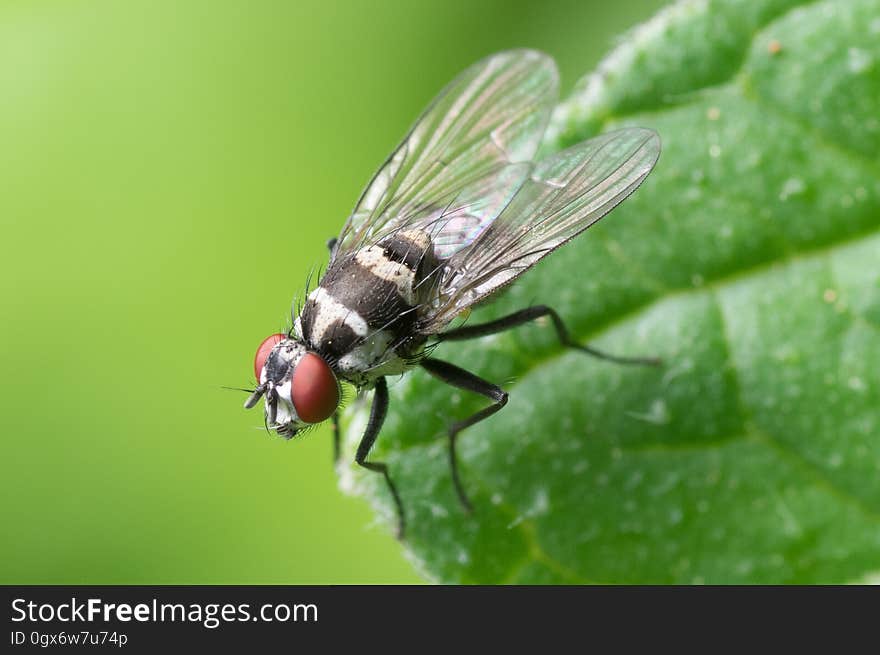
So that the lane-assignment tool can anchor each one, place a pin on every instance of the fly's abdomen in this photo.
(372, 296)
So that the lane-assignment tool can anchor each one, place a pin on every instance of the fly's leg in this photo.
(530, 314)
(458, 377)
(377, 417)
(336, 438)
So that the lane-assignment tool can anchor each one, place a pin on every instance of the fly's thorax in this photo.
(380, 355)
(364, 314)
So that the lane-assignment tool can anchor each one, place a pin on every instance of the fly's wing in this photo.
(458, 166)
(564, 195)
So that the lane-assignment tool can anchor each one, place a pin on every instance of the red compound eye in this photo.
(263, 352)
(314, 390)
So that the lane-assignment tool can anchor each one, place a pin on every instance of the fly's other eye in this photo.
(263, 352)
(314, 390)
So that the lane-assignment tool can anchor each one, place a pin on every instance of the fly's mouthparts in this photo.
(286, 431)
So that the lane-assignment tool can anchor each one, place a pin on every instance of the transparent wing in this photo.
(456, 168)
(564, 195)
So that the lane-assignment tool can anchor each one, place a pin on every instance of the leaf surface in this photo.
(750, 262)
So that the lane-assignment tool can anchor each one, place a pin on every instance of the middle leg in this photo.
(458, 377)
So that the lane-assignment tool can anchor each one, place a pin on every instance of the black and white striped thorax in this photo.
(363, 317)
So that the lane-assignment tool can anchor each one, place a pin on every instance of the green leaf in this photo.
(750, 262)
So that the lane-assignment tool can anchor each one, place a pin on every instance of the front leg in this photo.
(336, 438)
(458, 377)
(374, 425)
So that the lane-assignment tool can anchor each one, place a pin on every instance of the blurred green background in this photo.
(169, 173)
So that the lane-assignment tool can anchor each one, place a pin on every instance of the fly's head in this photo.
(299, 387)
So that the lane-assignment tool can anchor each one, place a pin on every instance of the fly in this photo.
(459, 210)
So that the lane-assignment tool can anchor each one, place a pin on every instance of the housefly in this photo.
(459, 210)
